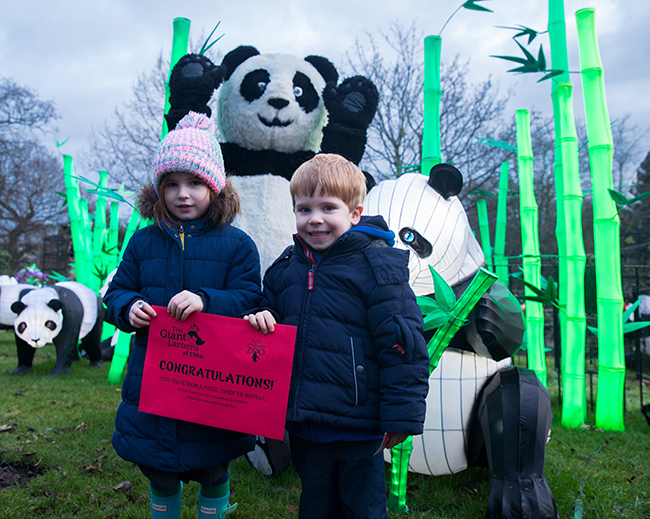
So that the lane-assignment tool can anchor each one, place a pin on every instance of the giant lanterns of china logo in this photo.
(197, 368)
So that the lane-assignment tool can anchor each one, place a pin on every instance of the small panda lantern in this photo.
(63, 315)
(274, 112)
(479, 407)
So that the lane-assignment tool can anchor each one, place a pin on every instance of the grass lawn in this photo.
(57, 460)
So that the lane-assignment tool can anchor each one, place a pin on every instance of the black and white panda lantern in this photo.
(63, 315)
(274, 112)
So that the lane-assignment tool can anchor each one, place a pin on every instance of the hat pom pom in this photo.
(195, 120)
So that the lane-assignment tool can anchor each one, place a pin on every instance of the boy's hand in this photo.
(140, 314)
(393, 439)
(184, 304)
(262, 321)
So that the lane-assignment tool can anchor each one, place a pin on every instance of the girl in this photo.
(191, 260)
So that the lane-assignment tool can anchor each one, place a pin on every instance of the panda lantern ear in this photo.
(446, 179)
(17, 307)
(235, 58)
(55, 304)
(325, 68)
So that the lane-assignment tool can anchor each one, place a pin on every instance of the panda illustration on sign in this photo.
(63, 314)
(274, 112)
(480, 409)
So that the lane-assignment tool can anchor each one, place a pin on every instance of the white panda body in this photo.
(265, 199)
(410, 203)
(283, 109)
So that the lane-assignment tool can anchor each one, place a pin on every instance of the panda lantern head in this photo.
(273, 101)
(39, 317)
(431, 223)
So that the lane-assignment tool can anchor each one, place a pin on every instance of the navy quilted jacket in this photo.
(360, 361)
(221, 265)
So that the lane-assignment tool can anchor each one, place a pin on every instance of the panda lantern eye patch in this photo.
(50, 325)
(22, 327)
(254, 84)
(416, 242)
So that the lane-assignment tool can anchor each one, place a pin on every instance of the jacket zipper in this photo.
(354, 373)
(181, 234)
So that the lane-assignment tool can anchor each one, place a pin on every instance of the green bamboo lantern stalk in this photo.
(574, 408)
(431, 148)
(611, 354)
(76, 224)
(532, 263)
(113, 237)
(99, 232)
(180, 41)
(92, 279)
(131, 227)
(500, 260)
(484, 228)
(559, 61)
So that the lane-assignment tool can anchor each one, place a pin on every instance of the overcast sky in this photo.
(86, 55)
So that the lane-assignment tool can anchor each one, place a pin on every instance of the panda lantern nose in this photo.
(278, 102)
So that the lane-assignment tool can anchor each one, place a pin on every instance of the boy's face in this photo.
(322, 219)
(187, 197)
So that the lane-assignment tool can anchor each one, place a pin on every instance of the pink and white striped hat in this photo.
(191, 147)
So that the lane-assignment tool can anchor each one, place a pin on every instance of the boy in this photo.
(360, 367)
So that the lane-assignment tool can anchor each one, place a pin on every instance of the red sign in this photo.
(218, 371)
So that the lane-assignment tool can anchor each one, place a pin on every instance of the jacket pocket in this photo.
(359, 368)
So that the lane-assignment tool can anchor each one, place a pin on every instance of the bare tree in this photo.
(395, 63)
(29, 175)
(125, 144)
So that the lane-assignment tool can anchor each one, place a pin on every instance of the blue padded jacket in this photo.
(360, 360)
(222, 266)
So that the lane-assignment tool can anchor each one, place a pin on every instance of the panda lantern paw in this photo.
(21, 370)
(353, 103)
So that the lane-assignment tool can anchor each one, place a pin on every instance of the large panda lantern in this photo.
(480, 409)
(63, 315)
(274, 112)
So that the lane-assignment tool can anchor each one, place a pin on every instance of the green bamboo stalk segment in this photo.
(611, 354)
(99, 231)
(131, 227)
(484, 228)
(120, 358)
(74, 213)
(431, 148)
(500, 260)
(574, 408)
(92, 280)
(400, 456)
(559, 61)
(180, 42)
(532, 262)
(112, 240)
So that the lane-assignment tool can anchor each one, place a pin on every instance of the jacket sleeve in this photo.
(124, 289)
(396, 327)
(242, 289)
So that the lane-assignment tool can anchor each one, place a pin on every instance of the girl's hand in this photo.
(262, 321)
(140, 314)
(184, 304)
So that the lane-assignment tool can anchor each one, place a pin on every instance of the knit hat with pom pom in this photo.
(191, 147)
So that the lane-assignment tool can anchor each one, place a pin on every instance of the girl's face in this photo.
(186, 196)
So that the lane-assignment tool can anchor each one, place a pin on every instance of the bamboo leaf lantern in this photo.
(611, 354)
